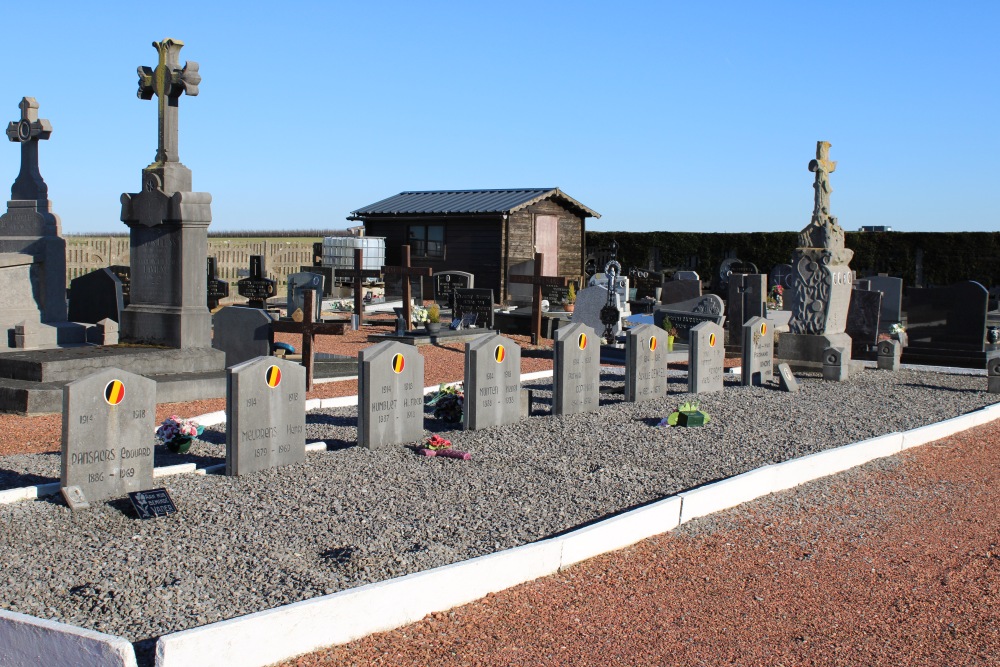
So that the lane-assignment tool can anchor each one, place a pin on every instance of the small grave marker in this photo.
(257, 288)
(391, 393)
(836, 361)
(73, 495)
(992, 374)
(266, 415)
(889, 353)
(576, 370)
(492, 382)
(152, 503)
(758, 352)
(786, 379)
(706, 358)
(645, 363)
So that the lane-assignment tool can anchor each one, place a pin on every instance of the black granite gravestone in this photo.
(863, 316)
(217, 288)
(953, 316)
(95, 296)
(445, 284)
(479, 301)
(258, 288)
(645, 282)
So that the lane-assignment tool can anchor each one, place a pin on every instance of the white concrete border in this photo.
(26, 640)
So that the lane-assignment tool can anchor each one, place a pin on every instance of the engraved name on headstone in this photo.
(645, 363)
(492, 382)
(478, 301)
(445, 284)
(706, 358)
(576, 370)
(265, 415)
(391, 392)
(107, 434)
(758, 352)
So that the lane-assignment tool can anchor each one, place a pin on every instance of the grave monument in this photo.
(576, 370)
(645, 363)
(492, 382)
(391, 395)
(706, 358)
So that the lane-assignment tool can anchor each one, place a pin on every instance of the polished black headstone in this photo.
(478, 301)
(95, 296)
(953, 316)
(863, 316)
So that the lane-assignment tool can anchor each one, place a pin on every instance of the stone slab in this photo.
(390, 395)
(492, 382)
(71, 363)
(576, 370)
(892, 297)
(645, 363)
(242, 333)
(706, 359)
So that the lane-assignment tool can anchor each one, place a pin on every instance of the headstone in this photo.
(242, 333)
(836, 364)
(576, 370)
(328, 276)
(299, 283)
(781, 274)
(217, 288)
(951, 317)
(556, 295)
(645, 282)
(107, 434)
(892, 299)
(265, 415)
(758, 352)
(96, 296)
(679, 291)
(622, 287)
(786, 379)
(863, 316)
(685, 315)
(589, 303)
(446, 282)
(889, 354)
(686, 275)
(706, 358)
(645, 363)
(168, 224)
(993, 375)
(257, 288)
(475, 301)
(391, 393)
(492, 382)
(747, 299)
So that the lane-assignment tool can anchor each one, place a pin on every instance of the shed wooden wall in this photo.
(571, 230)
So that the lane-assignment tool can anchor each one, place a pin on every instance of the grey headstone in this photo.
(446, 282)
(298, 283)
(677, 291)
(889, 353)
(758, 352)
(687, 275)
(836, 364)
(863, 316)
(576, 370)
(478, 301)
(706, 358)
(993, 374)
(96, 296)
(242, 333)
(589, 302)
(786, 379)
(645, 363)
(265, 415)
(391, 395)
(892, 298)
(108, 434)
(492, 382)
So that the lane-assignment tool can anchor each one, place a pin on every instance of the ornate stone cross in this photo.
(823, 166)
(167, 82)
(28, 132)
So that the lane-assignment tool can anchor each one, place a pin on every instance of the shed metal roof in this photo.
(457, 202)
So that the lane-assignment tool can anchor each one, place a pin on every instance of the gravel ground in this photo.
(894, 563)
(349, 516)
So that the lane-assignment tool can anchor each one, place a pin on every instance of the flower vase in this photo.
(433, 328)
(670, 343)
(569, 307)
(180, 445)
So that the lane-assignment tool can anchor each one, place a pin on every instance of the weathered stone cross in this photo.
(822, 166)
(28, 132)
(358, 274)
(538, 280)
(167, 82)
(405, 271)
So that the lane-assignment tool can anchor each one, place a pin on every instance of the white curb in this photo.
(931, 432)
(26, 640)
(620, 531)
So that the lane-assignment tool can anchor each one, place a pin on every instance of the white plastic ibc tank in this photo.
(338, 251)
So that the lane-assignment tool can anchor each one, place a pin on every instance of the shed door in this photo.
(547, 243)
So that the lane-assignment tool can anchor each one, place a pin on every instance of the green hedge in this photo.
(947, 257)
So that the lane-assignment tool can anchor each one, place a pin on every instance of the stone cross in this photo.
(308, 328)
(538, 280)
(823, 166)
(167, 82)
(405, 271)
(358, 274)
(28, 132)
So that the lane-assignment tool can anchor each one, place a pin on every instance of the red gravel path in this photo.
(897, 563)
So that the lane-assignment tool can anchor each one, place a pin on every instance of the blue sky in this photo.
(659, 115)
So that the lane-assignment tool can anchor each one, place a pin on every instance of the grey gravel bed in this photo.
(350, 516)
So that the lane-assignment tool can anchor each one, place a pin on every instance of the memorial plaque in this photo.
(478, 301)
(152, 503)
(556, 295)
(391, 395)
(492, 382)
(706, 358)
(265, 415)
(445, 284)
(74, 498)
(687, 314)
(108, 422)
(645, 363)
(758, 352)
(576, 370)
(298, 283)
(786, 379)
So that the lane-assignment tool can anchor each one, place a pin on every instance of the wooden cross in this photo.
(358, 274)
(167, 82)
(309, 328)
(538, 280)
(406, 271)
(28, 132)
(822, 166)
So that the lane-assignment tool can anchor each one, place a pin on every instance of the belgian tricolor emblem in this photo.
(763, 328)
(582, 341)
(711, 340)
(398, 362)
(114, 392)
(272, 376)
(499, 354)
(652, 343)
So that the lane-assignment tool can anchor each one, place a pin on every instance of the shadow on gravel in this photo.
(213, 437)
(953, 390)
(329, 420)
(11, 479)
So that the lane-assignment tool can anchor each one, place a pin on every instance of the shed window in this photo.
(426, 240)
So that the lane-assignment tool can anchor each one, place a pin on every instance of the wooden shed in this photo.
(489, 233)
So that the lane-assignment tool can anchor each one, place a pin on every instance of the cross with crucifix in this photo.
(358, 274)
(406, 272)
(167, 82)
(28, 132)
(538, 280)
(309, 328)
(823, 166)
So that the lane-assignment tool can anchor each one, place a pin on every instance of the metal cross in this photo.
(28, 132)
(167, 82)
(822, 166)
